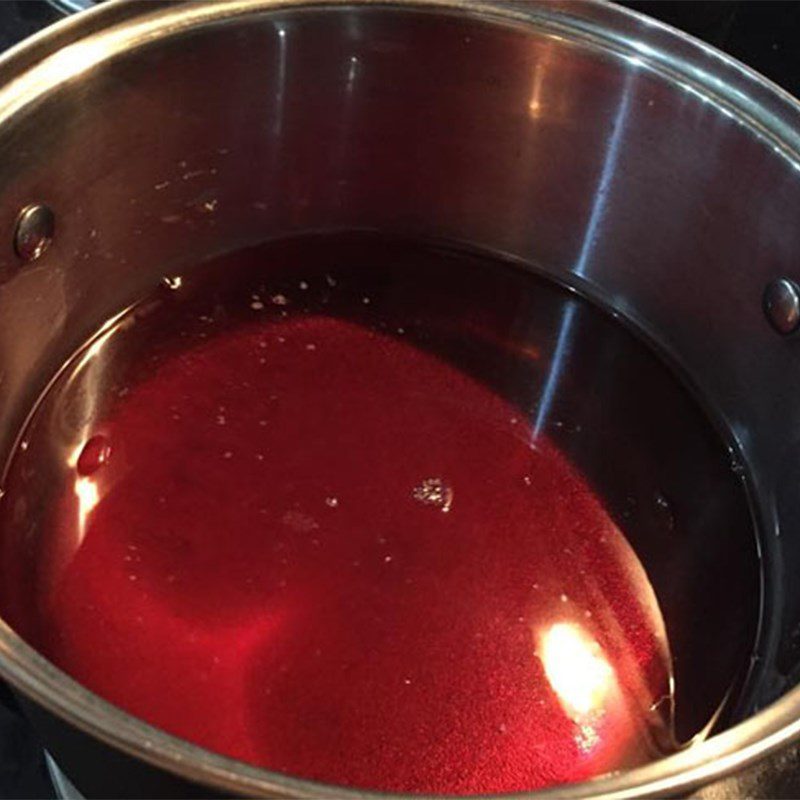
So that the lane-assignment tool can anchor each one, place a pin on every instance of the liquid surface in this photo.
(301, 518)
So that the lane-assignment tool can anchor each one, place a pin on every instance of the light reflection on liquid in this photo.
(88, 497)
(581, 677)
(574, 664)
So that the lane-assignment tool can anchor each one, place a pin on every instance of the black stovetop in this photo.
(762, 33)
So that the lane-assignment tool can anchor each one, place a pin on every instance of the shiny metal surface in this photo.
(64, 789)
(782, 305)
(34, 232)
(71, 6)
(614, 154)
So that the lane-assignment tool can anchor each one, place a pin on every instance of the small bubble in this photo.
(227, 454)
(514, 420)
(93, 455)
(303, 285)
(330, 281)
(665, 510)
(407, 681)
(281, 339)
(133, 577)
(221, 419)
(401, 331)
(311, 346)
(279, 300)
(23, 445)
(387, 559)
(262, 423)
(434, 492)
(332, 502)
(260, 456)
(526, 479)
(256, 305)
(365, 301)
(587, 614)
(563, 598)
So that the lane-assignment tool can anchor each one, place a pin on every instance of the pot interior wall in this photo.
(586, 165)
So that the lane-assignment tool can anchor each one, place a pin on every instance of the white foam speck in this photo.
(434, 492)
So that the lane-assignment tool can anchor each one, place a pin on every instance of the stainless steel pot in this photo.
(619, 156)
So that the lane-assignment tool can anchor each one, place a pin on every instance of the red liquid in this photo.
(311, 545)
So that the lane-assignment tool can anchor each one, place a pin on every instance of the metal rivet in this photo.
(782, 305)
(34, 232)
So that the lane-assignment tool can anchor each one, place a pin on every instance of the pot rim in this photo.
(73, 46)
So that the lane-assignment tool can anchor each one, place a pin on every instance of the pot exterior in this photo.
(600, 149)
